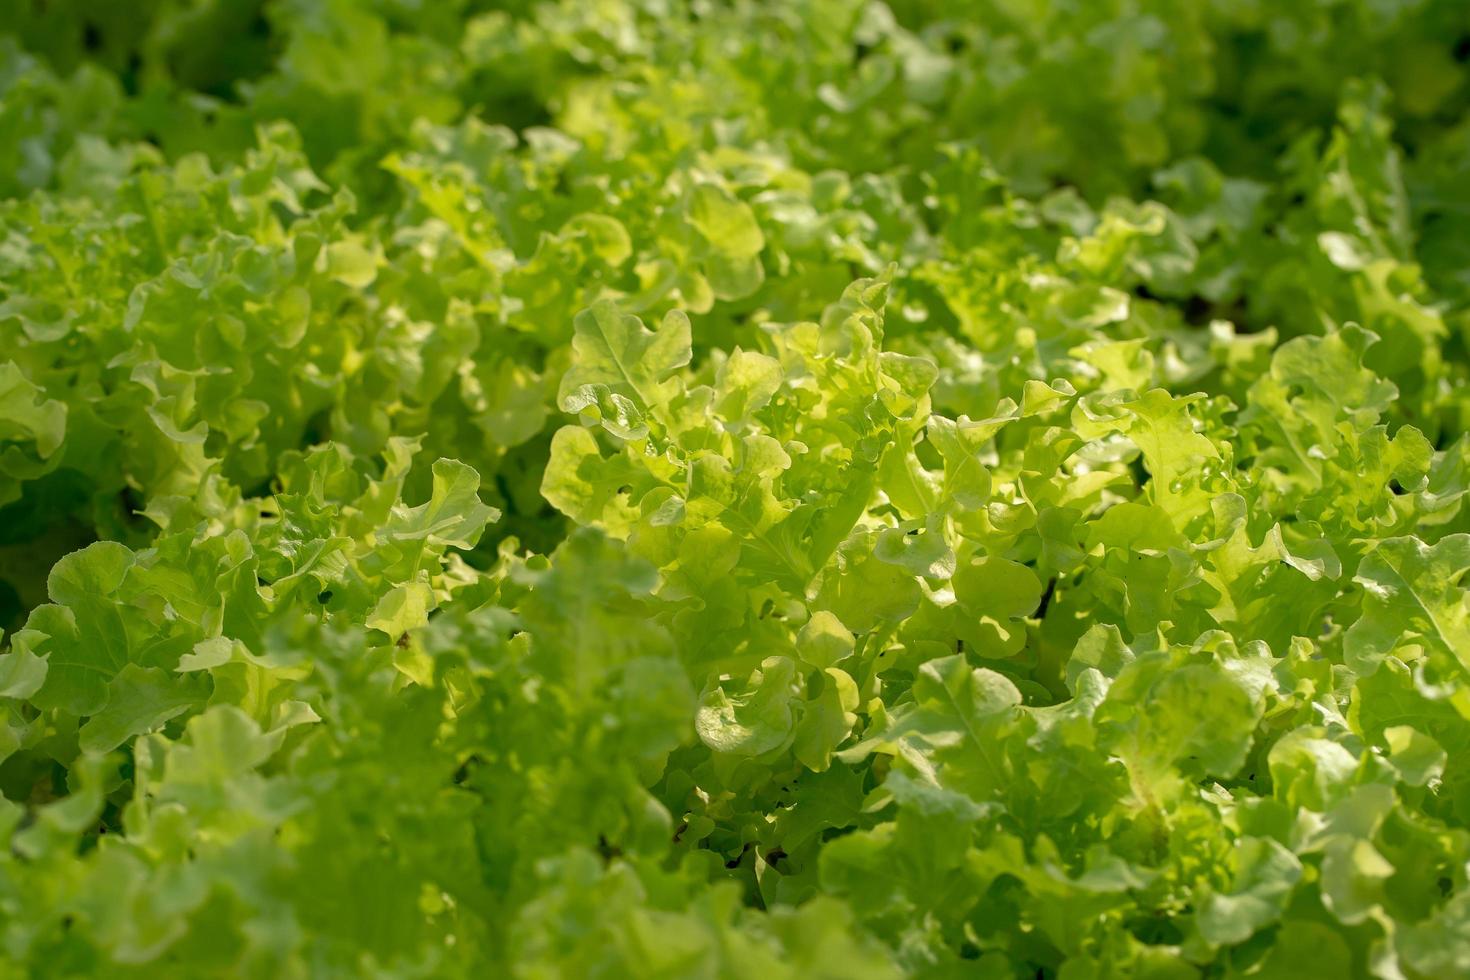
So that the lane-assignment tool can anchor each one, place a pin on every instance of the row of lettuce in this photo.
(698, 489)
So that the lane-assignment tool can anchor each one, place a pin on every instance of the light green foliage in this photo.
(672, 488)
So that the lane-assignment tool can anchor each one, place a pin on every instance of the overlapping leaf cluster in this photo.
(678, 488)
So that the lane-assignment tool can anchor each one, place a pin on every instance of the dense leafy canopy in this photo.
(714, 488)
